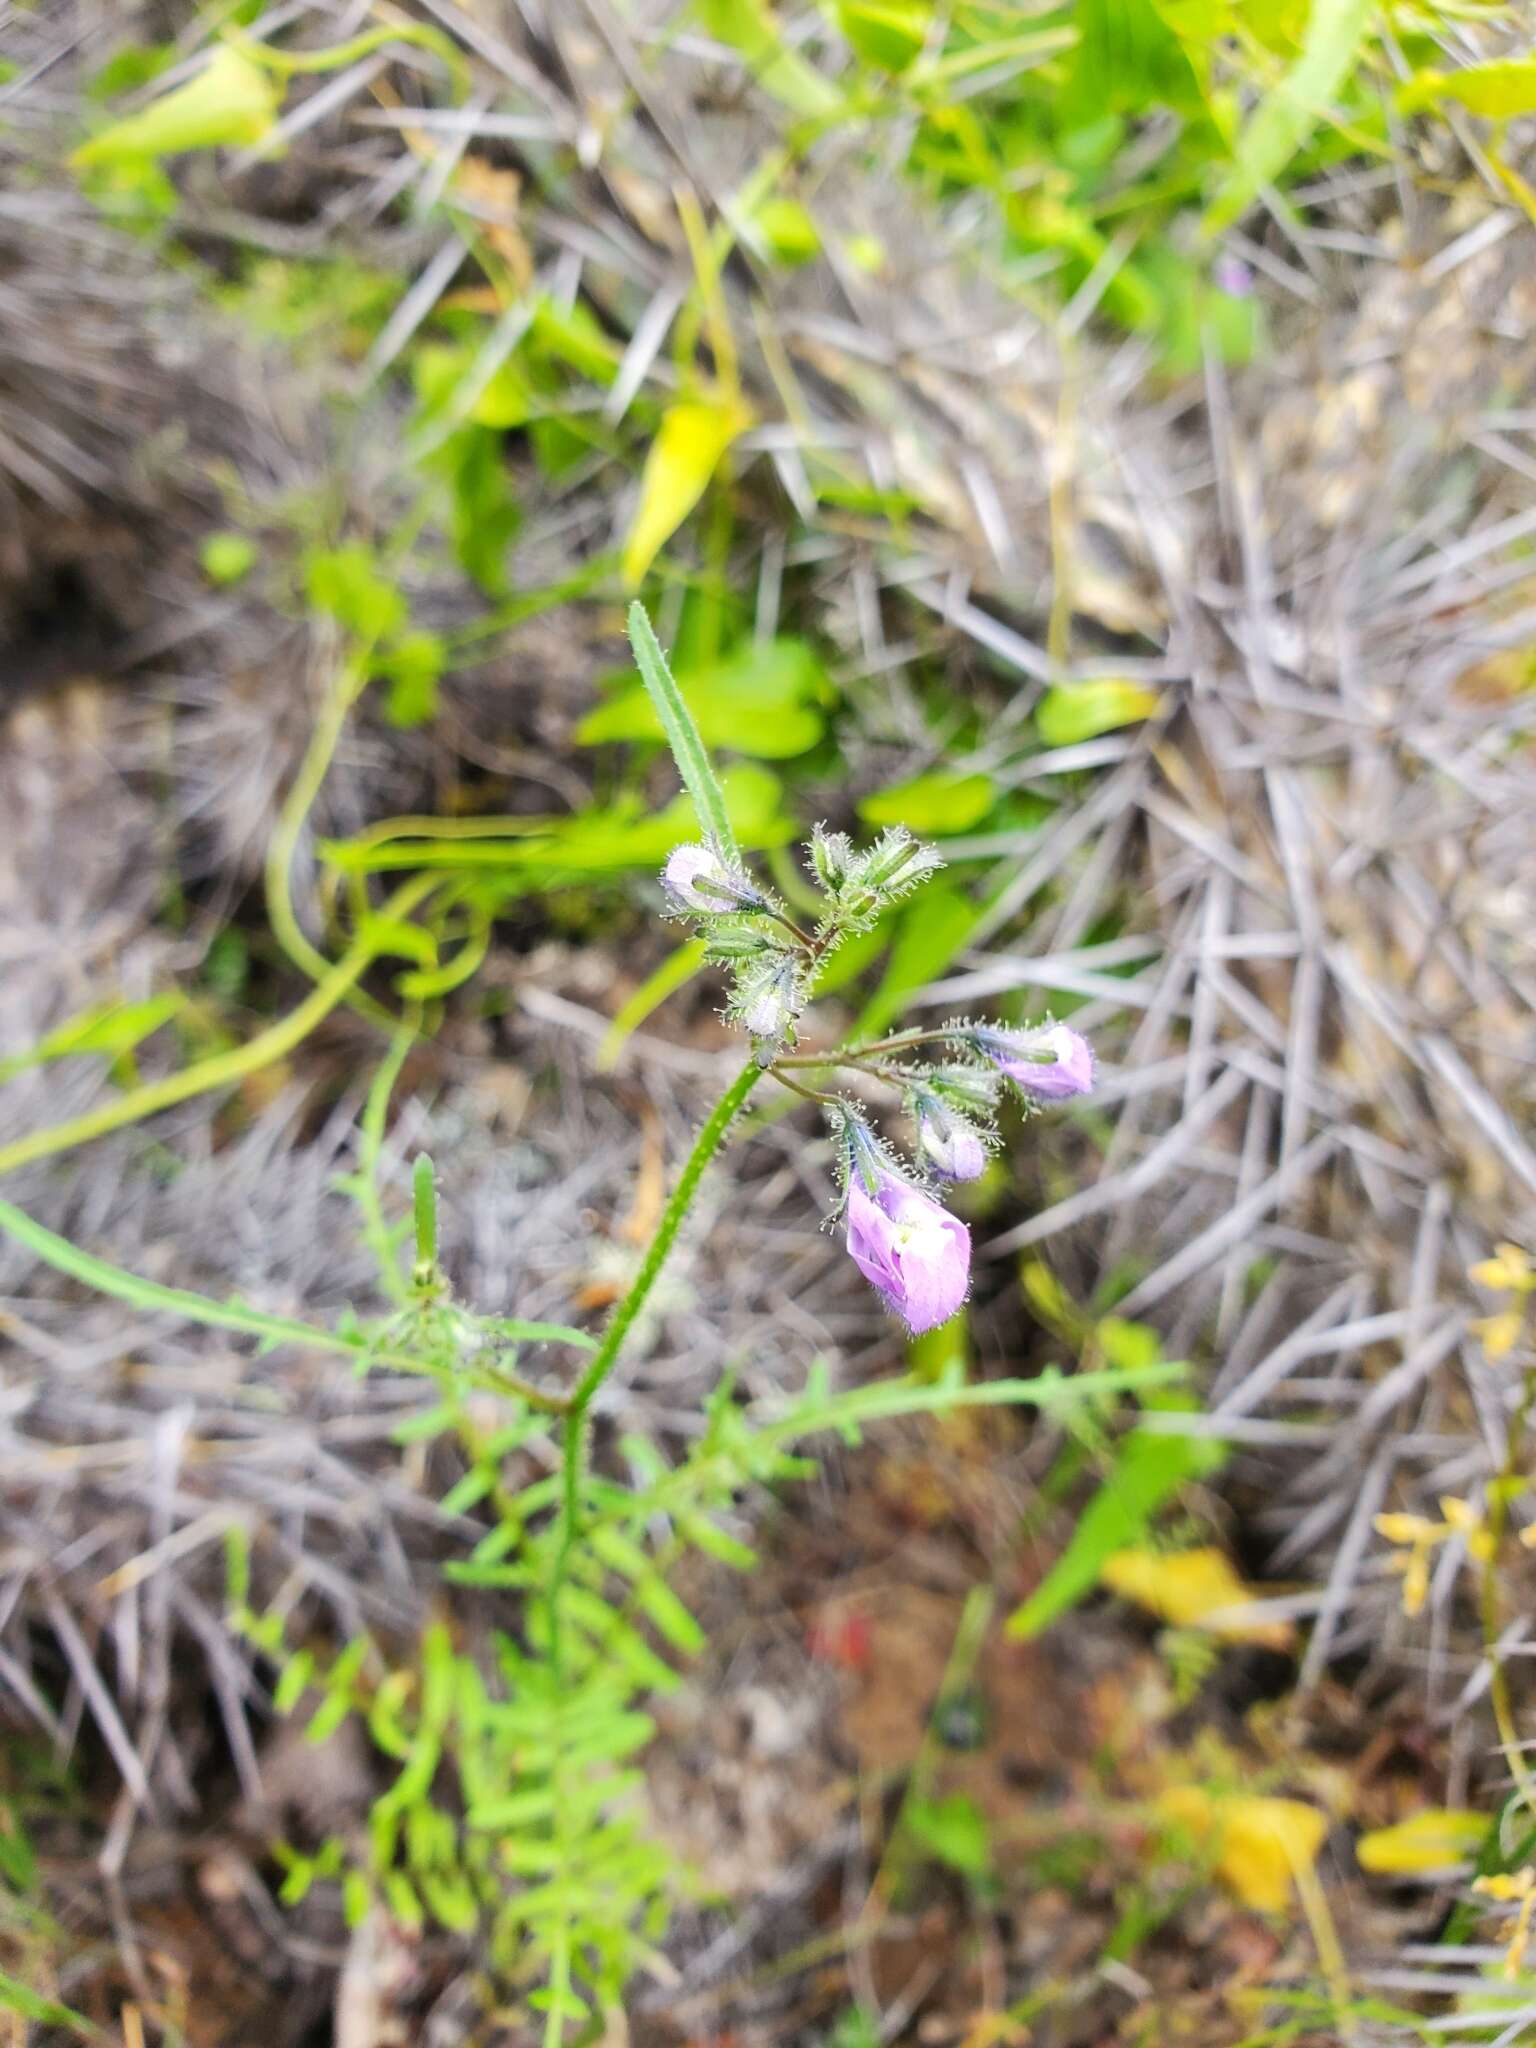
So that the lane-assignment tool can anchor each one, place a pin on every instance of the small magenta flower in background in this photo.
(696, 878)
(909, 1248)
(947, 1143)
(1050, 1063)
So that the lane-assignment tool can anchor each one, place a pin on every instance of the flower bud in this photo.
(896, 861)
(767, 999)
(968, 1087)
(697, 879)
(744, 941)
(951, 1146)
(831, 853)
(1049, 1063)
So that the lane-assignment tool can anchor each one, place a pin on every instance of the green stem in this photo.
(291, 819)
(376, 1231)
(223, 1070)
(622, 1321)
(854, 1055)
(1490, 1605)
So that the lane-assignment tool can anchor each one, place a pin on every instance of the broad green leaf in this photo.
(1148, 1471)
(688, 753)
(787, 231)
(1498, 90)
(1070, 712)
(414, 666)
(347, 584)
(484, 515)
(231, 100)
(954, 1830)
(929, 938)
(886, 33)
(748, 26)
(438, 371)
(759, 700)
(1129, 58)
(1288, 114)
(694, 434)
(932, 804)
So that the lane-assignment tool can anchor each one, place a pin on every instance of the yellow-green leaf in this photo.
(1070, 712)
(788, 232)
(1286, 116)
(886, 33)
(1498, 90)
(1259, 1844)
(1191, 1589)
(231, 100)
(683, 457)
(1436, 1839)
(939, 803)
(749, 27)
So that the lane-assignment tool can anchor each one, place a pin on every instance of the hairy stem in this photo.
(622, 1321)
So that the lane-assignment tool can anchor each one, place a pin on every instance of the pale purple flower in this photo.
(951, 1146)
(1234, 277)
(696, 878)
(1050, 1063)
(909, 1248)
(767, 1000)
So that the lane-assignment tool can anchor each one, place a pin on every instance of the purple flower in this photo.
(909, 1248)
(696, 878)
(1050, 1063)
(950, 1145)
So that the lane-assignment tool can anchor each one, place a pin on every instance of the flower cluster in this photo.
(900, 1236)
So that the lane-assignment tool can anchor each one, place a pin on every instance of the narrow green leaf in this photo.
(675, 972)
(1148, 1471)
(693, 765)
(1288, 114)
(231, 100)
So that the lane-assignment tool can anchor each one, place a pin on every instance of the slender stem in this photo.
(291, 820)
(851, 1056)
(807, 1094)
(794, 930)
(376, 1230)
(622, 1321)
(424, 1203)
(1490, 1605)
(223, 1070)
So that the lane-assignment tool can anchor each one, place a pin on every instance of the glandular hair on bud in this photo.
(897, 860)
(831, 853)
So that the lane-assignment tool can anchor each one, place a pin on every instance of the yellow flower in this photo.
(1499, 1334)
(1466, 1520)
(1418, 1537)
(1510, 1888)
(1528, 1536)
(1509, 1269)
